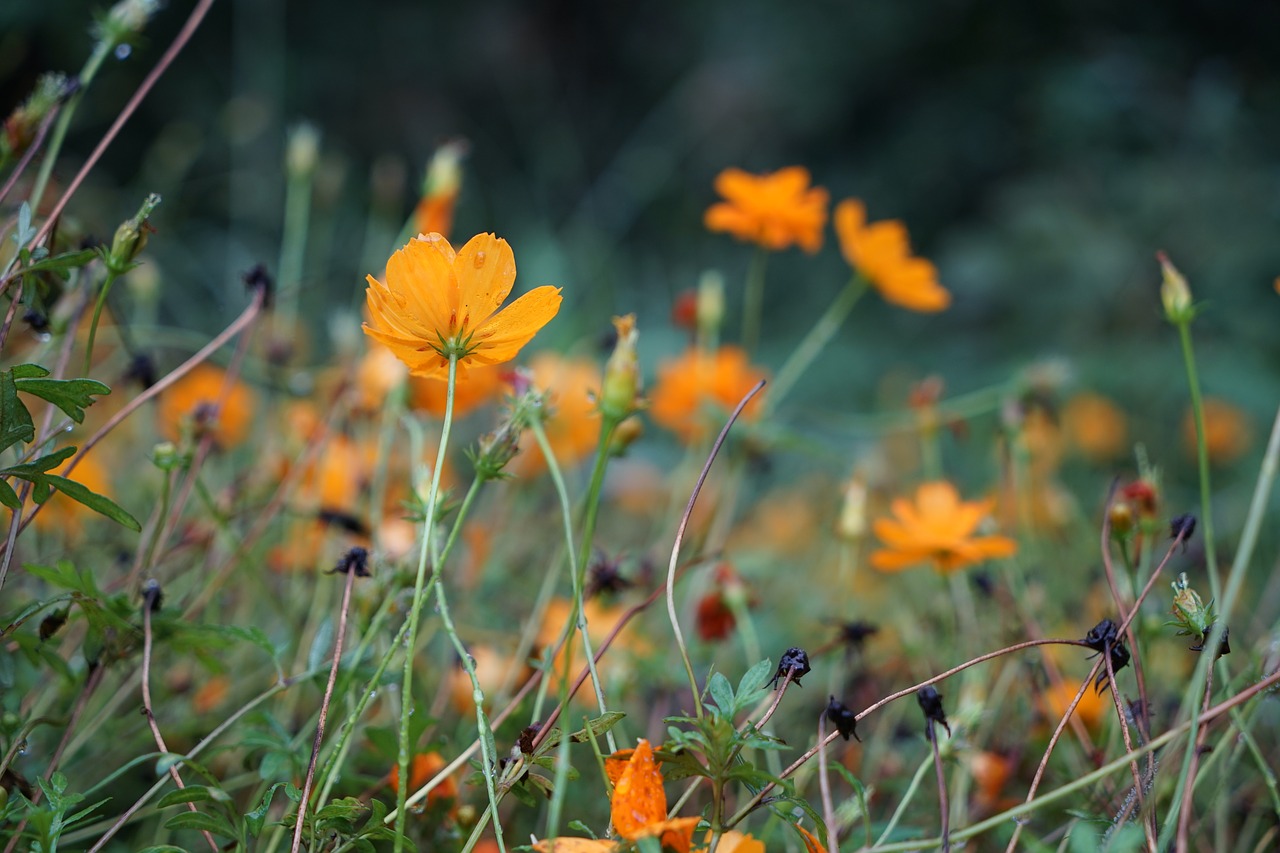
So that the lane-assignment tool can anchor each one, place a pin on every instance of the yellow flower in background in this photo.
(437, 303)
(688, 384)
(776, 210)
(937, 527)
(881, 251)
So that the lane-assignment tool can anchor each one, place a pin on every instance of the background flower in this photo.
(775, 210)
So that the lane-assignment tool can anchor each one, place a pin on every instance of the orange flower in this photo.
(881, 252)
(1227, 434)
(1091, 711)
(425, 767)
(192, 401)
(438, 303)
(938, 527)
(685, 387)
(1096, 426)
(61, 512)
(572, 421)
(479, 386)
(775, 210)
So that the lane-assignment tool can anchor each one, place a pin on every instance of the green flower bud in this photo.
(622, 373)
(1175, 295)
(131, 237)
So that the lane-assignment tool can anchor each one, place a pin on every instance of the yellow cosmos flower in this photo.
(937, 528)
(437, 303)
(881, 251)
(776, 211)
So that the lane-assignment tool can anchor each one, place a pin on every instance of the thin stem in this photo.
(324, 708)
(942, 785)
(753, 300)
(415, 612)
(903, 801)
(1202, 457)
(679, 538)
(815, 341)
(97, 315)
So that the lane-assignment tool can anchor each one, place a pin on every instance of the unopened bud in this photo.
(127, 18)
(1175, 294)
(624, 435)
(494, 450)
(710, 304)
(852, 523)
(622, 373)
(131, 237)
(302, 150)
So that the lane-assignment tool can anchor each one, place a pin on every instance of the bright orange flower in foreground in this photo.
(687, 385)
(881, 251)
(776, 211)
(194, 401)
(939, 528)
(438, 303)
(638, 810)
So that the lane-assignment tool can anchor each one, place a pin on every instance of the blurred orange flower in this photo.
(881, 251)
(479, 386)
(776, 210)
(688, 384)
(434, 213)
(939, 528)
(1091, 711)
(424, 767)
(438, 303)
(192, 402)
(572, 419)
(61, 512)
(1227, 432)
(1096, 426)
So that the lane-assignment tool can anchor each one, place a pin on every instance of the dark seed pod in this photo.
(843, 718)
(152, 596)
(794, 663)
(355, 561)
(931, 703)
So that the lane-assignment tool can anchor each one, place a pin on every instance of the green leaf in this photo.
(62, 263)
(9, 497)
(216, 824)
(753, 681)
(595, 728)
(189, 794)
(72, 396)
(255, 819)
(15, 421)
(721, 694)
(100, 504)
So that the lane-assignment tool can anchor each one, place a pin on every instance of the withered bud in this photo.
(355, 561)
(258, 280)
(792, 667)
(152, 596)
(843, 718)
(930, 701)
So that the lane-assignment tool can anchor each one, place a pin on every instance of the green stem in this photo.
(1202, 457)
(905, 799)
(293, 246)
(97, 314)
(816, 340)
(415, 613)
(753, 300)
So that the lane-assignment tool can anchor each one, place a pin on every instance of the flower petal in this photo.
(485, 269)
(500, 338)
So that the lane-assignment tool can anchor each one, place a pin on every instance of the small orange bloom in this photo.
(1096, 426)
(939, 528)
(1091, 711)
(776, 210)
(439, 303)
(1227, 433)
(434, 213)
(422, 769)
(687, 385)
(210, 694)
(881, 251)
(572, 419)
(193, 400)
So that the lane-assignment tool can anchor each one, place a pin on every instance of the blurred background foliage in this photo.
(1040, 154)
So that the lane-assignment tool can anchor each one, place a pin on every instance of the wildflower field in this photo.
(591, 455)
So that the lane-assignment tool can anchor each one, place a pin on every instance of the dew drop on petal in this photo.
(479, 260)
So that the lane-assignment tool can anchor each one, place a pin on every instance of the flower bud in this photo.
(625, 434)
(302, 150)
(1174, 292)
(622, 373)
(710, 304)
(131, 237)
(852, 523)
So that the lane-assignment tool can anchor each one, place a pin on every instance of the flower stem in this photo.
(1202, 457)
(97, 313)
(415, 613)
(816, 340)
(753, 300)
